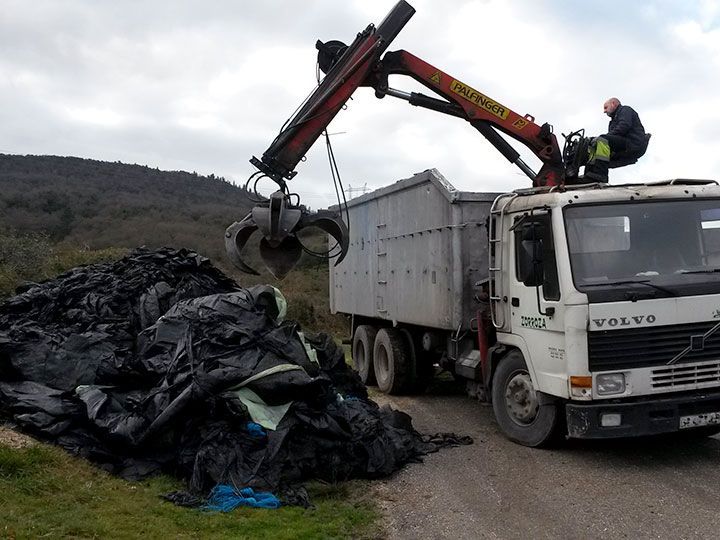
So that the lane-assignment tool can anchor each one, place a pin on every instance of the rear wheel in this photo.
(419, 363)
(362, 353)
(518, 411)
(392, 361)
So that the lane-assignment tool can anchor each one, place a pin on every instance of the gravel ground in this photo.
(497, 489)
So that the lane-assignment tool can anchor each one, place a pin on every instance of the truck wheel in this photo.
(419, 364)
(515, 403)
(362, 353)
(391, 361)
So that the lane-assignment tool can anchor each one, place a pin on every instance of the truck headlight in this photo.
(610, 383)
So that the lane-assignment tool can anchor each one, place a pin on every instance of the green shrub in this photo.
(31, 257)
(23, 254)
(8, 281)
(301, 309)
(62, 259)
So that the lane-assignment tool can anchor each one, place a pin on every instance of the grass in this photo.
(45, 492)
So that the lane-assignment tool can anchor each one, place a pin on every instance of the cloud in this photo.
(205, 85)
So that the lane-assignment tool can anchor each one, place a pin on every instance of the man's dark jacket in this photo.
(625, 122)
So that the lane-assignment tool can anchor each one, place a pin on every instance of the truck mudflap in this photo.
(643, 416)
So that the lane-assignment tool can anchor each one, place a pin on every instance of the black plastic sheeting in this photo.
(132, 365)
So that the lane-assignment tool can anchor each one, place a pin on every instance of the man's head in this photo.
(611, 105)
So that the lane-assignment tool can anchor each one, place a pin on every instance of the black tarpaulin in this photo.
(159, 362)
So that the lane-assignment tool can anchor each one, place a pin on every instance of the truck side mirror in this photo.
(529, 254)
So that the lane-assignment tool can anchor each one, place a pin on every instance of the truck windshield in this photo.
(667, 243)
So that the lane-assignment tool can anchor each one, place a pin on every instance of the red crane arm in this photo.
(480, 110)
(361, 64)
(347, 73)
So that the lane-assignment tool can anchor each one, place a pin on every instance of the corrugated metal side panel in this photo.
(352, 282)
(420, 256)
(402, 259)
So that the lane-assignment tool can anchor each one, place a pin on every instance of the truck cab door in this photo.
(536, 312)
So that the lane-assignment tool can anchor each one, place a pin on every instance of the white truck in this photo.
(586, 309)
(591, 311)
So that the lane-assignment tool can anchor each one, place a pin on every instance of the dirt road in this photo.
(497, 489)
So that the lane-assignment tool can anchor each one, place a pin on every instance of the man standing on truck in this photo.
(623, 144)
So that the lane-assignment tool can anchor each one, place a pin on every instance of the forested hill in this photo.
(96, 204)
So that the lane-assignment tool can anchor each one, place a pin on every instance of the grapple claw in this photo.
(332, 224)
(276, 221)
(236, 236)
(282, 258)
(280, 248)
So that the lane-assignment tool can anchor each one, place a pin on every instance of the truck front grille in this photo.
(684, 376)
(650, 346)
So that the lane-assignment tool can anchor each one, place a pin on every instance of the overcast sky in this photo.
(204, 85)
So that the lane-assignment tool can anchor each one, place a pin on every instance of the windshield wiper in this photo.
(633, 282)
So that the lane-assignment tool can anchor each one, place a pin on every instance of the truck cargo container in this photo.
(590, 311)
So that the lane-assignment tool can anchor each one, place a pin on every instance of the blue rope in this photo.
(224, 498)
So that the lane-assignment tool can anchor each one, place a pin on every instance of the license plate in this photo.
(699, 420)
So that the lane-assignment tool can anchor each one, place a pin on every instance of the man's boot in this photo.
(596, 169)
(595, 172)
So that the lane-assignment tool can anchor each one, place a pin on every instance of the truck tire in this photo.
(362, 353)
(521, 418)
(391, 361)
(419, 363)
